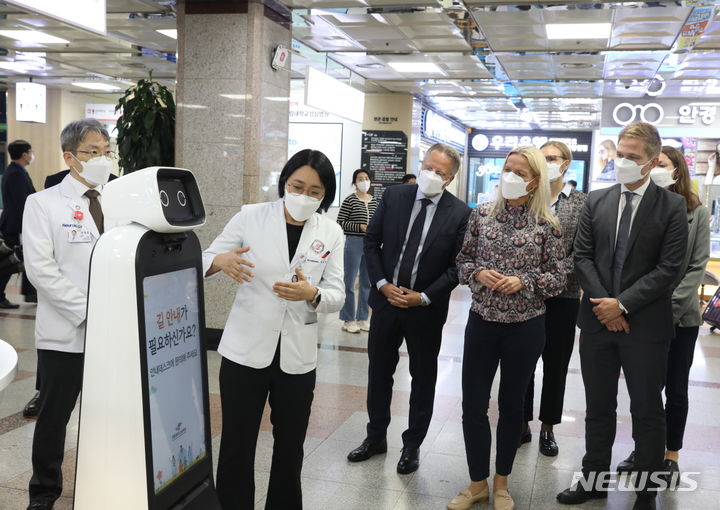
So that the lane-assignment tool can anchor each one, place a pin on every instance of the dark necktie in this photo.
(95, 209)
(411, 248)
(621, 243)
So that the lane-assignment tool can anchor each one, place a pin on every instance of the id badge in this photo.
(79, 236)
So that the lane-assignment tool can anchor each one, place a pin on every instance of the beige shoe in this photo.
(364, 325)
(465, 499)
(351, 327)
(502, 500)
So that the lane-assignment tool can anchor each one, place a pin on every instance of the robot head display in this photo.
(162, 199)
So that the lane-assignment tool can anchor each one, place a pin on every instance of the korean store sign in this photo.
(662, 113)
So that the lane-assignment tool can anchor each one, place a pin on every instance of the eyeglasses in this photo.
(97, 154)
(312, 193)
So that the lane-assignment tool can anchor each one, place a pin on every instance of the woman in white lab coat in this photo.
(288, 260)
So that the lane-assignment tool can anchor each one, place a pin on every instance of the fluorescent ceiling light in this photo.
(20, 67)
(578, 30)
(416, 67)
(93, 85)
(32, 37)
(171, 32)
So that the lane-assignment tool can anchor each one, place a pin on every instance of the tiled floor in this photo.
(338, 420)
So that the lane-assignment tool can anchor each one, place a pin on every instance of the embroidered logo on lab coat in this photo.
(317, 246)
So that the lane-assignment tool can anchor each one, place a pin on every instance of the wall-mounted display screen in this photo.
(174, 374)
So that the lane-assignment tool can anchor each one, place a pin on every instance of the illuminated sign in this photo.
(439, 128)
(30, 102)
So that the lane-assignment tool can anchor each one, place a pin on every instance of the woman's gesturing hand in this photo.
(233, 265)
(299, 290)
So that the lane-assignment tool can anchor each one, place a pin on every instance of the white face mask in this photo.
(301, 206)
(662, 176)
(430, 183)
(96, 171)
(32, 159)
(513, 186)
(554, 171)
(627, 171)
(363, 186)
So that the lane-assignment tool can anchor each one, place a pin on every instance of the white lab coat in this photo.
(258, 317)
(57, 248)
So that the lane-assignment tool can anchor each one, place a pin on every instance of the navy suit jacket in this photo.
(16, 187)
(656, 250)
(437, 273)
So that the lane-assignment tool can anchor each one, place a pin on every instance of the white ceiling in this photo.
(512, 58)
(495, 61)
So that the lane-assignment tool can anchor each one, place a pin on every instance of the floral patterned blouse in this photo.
(512, 243)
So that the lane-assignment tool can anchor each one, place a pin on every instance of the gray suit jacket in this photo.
(656, 248)
(685, 303)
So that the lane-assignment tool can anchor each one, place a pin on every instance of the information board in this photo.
(174, 374)
(384, 157)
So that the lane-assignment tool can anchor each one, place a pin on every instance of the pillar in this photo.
(232, 116)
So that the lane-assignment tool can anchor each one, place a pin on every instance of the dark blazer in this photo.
(385, 235)
(52, 180)
(656, 249)
(16, 187)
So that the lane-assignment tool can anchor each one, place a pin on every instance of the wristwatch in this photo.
(316, 300)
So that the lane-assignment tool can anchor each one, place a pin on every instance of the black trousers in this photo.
(243, 393)
(644, 365)
(560, 319)
(516, 348)
(422, 330)
(26, 288)
(59, 389)
(680, 359)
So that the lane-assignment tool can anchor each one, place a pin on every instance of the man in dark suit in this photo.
(410, 248)
(16, 187)
(629, 248)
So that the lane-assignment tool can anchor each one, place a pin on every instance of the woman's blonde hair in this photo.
(539, 201)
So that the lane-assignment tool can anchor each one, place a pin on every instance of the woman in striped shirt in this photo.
(354, 216)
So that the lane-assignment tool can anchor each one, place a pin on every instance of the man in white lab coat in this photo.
(60, 227)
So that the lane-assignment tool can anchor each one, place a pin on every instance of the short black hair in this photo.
(572, 183)
(318, 162)
(18, 148)
(358, 172)
(406, 178)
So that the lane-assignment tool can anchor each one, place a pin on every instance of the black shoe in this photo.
(409, 460)
(31, 298)
(41, 505)
(671, 474)
(526, 436)
(32, 408)
(7, 305)
(577, 495)
(644, 503)
(628, 465)
(548, 446)
(366, 450)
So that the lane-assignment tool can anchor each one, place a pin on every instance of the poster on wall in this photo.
(324, 137)
(384, 157)
(174, 374)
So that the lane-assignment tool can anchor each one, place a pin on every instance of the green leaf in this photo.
(146, 129)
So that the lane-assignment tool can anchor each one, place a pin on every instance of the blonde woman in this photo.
(512, 259)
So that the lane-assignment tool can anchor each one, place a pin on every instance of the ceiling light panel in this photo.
(408, 67)
(404, 32)
(525, 30)
(650, 28)
(347, 4)
(32, 37)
